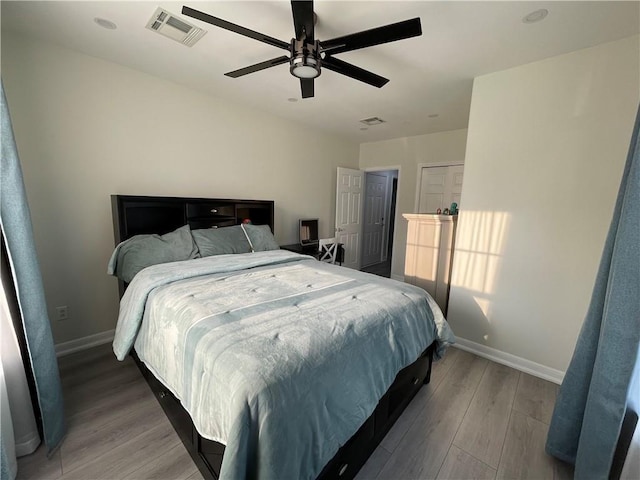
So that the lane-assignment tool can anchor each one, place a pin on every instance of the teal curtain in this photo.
(17, 230)
(597, 389)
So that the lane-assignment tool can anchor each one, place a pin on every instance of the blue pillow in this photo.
(261, 237)
(220, 241)
(142, 251)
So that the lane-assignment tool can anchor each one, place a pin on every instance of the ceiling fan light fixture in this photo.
(305, 60)
(304, 67)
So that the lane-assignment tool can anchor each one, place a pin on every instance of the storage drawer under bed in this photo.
(349, 458)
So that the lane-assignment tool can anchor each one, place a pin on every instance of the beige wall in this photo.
(87, 128)
(546, 146)
(406, 154)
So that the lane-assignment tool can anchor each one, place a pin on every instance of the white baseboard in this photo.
(84, 343)
(26, 446)
(498, 356)
(504, 358)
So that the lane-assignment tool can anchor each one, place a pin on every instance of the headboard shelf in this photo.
(135, 214)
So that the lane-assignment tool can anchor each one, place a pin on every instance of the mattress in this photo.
(278, 356)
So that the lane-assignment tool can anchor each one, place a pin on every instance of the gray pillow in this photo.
(142, 251)
(219, 241)
(261, 238)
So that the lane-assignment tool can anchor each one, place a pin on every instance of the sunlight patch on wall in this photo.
(484, 305)
(478, 250)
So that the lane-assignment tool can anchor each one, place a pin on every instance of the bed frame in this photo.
(133, 215)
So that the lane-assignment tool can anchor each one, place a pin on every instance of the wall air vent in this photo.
(372, 121)
(171, 26)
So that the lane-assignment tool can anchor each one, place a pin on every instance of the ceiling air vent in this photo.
(373, 121)
(169, 25)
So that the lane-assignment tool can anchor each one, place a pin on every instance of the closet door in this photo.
(439, 187)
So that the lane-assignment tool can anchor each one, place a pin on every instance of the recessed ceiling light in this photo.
(434, 115)
(292, 99)
(536, 16)
(104, 23)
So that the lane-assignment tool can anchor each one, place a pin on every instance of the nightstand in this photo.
(312, 251)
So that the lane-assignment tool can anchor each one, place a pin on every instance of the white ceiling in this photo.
(431, 74)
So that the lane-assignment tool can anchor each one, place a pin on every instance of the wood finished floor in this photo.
(475, 420)
(382, 269)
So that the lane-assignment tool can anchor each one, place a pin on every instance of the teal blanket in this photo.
(278, 356)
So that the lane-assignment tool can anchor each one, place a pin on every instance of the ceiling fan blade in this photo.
(306, 85)
(303, 18)
(344, 68)
(375, 36)
(232, 27)
(257, 67)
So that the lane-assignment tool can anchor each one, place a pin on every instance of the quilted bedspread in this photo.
(274, 354)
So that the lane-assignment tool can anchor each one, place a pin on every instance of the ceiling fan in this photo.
(307, 55)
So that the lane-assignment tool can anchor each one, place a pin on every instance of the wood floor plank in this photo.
(484, 425)
(126, 457)
(438, 373)
(175, 464)
(84, 358)
(459, 465)
(536, 397)
(109, 406)
(98, 367)
(423, 449)
(38, 467)
(82, 396)
(523, 456)
(441, 367)
(196, 476)
(94, 439)
(374, 465)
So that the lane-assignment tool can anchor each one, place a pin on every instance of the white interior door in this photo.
(374, 212)
(349, 214)
(456, 174)
(439, 187)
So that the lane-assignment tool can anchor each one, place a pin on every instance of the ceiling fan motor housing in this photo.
(305, 59)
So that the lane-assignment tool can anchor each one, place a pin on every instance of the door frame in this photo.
(420, 167)
(398, 169)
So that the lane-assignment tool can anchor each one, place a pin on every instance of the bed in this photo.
(268, 363)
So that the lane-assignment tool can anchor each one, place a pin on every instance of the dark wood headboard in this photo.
(135, 215)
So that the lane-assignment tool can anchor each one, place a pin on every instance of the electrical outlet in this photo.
(62, 312)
